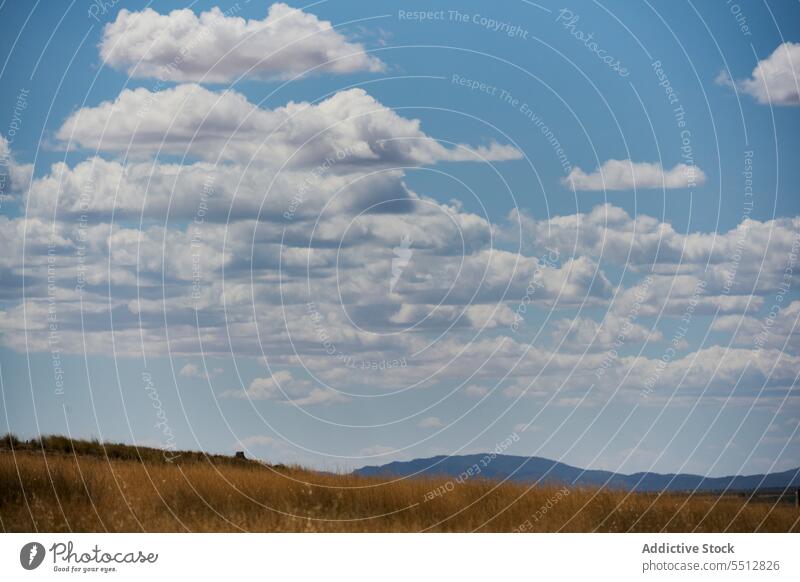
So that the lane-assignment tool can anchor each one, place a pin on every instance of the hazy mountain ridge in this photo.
(539, 469)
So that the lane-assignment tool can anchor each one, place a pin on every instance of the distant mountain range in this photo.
(540, 470)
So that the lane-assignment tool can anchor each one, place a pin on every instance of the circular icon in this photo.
(31, 555)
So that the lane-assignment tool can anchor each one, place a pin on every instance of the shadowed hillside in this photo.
(55, 484)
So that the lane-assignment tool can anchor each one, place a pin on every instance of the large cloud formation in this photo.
(192, 120)
(203, 224)
(220, 47)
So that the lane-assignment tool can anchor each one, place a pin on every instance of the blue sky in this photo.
(573, 222)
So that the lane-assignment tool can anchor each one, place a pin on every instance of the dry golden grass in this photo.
(58, 491)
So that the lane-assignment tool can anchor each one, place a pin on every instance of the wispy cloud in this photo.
(431, 422)
(627, 175)
(282, 386)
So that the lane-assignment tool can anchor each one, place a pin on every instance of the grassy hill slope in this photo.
(56, 484)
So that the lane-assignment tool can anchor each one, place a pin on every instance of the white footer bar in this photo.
(401, 557)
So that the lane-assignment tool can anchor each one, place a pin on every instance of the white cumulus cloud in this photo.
(350, 127)
(14, 176)
(775, 80)
(218, 47)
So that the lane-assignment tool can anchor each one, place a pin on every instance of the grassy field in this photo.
(55, 485)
